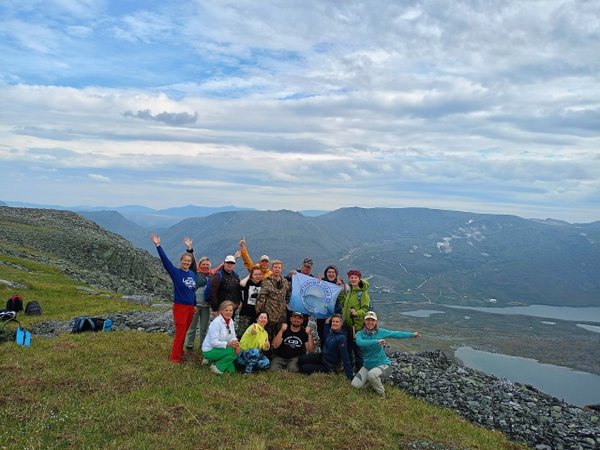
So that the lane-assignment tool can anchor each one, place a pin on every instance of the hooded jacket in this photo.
(357, 298)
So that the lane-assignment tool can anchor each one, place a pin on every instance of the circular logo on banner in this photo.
(316, 296)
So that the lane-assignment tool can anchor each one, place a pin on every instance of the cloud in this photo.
(100, 178)
(461, 105)
(166, 117)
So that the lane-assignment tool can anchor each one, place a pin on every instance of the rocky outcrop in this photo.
(519, 411)
(82, 250)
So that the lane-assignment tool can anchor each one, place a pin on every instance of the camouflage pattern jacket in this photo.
(273, 299)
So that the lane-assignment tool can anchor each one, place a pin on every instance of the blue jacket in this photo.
(336, 348)
(373, 353)
(184, 281)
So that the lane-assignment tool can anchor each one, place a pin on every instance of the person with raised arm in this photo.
(330, 274)
(184, 296)
(263, 262)
(376, 364)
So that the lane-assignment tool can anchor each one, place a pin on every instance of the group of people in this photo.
(268, 335)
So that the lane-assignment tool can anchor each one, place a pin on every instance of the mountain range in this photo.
(408, 254)
(149, 217)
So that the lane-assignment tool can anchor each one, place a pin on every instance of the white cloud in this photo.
(97, 177)
(458, 105)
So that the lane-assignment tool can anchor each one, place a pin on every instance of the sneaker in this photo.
(205, 362)
(214, 369)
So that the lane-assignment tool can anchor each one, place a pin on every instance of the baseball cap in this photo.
(296, 313)
(307, 262)
(371, 315)
(264, 258)
(230, 258)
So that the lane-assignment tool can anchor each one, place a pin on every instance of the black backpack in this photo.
(15, 303)
(33, 308)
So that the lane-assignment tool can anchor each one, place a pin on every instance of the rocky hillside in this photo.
(81, 249)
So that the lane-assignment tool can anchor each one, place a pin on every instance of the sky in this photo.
(488, 107)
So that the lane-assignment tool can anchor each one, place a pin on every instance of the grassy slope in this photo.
(118, 390)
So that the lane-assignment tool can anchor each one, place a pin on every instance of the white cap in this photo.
(371, 315)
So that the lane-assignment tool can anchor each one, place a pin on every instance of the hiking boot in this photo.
(214, 369)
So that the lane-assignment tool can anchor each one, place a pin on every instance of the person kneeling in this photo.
(376, 364)
(290, 343)
(335, 349)
(254, 341)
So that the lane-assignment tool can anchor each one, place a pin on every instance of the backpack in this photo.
(15, 303)
(33, 308)
(207, 287)
(20, 335)
(86, 323)
(6, 334)
(7, 314)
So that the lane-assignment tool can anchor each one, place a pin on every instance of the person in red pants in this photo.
(184, 296)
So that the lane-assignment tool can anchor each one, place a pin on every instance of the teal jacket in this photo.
(373, 353)
(357, 298)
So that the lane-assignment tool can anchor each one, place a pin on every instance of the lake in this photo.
(421, 313)
(575, 387)
(583, 314)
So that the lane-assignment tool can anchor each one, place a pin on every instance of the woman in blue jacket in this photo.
(334, 349)
(376, 364)
(184, 296)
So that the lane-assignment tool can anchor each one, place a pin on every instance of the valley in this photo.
(557, 342)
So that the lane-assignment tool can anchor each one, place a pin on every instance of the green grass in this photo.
(118, 390)
(61, 297)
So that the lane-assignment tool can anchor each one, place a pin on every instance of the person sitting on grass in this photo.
(220, 346)
(290, 343)
(376, 364)
(335, 349)
(254, 341)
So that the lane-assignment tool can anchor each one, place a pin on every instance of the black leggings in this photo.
(312, 363)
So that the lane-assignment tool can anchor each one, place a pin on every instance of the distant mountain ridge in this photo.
(148, 217)
(417, 254)
(409, 254)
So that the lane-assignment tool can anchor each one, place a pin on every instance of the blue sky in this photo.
(489, 107)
